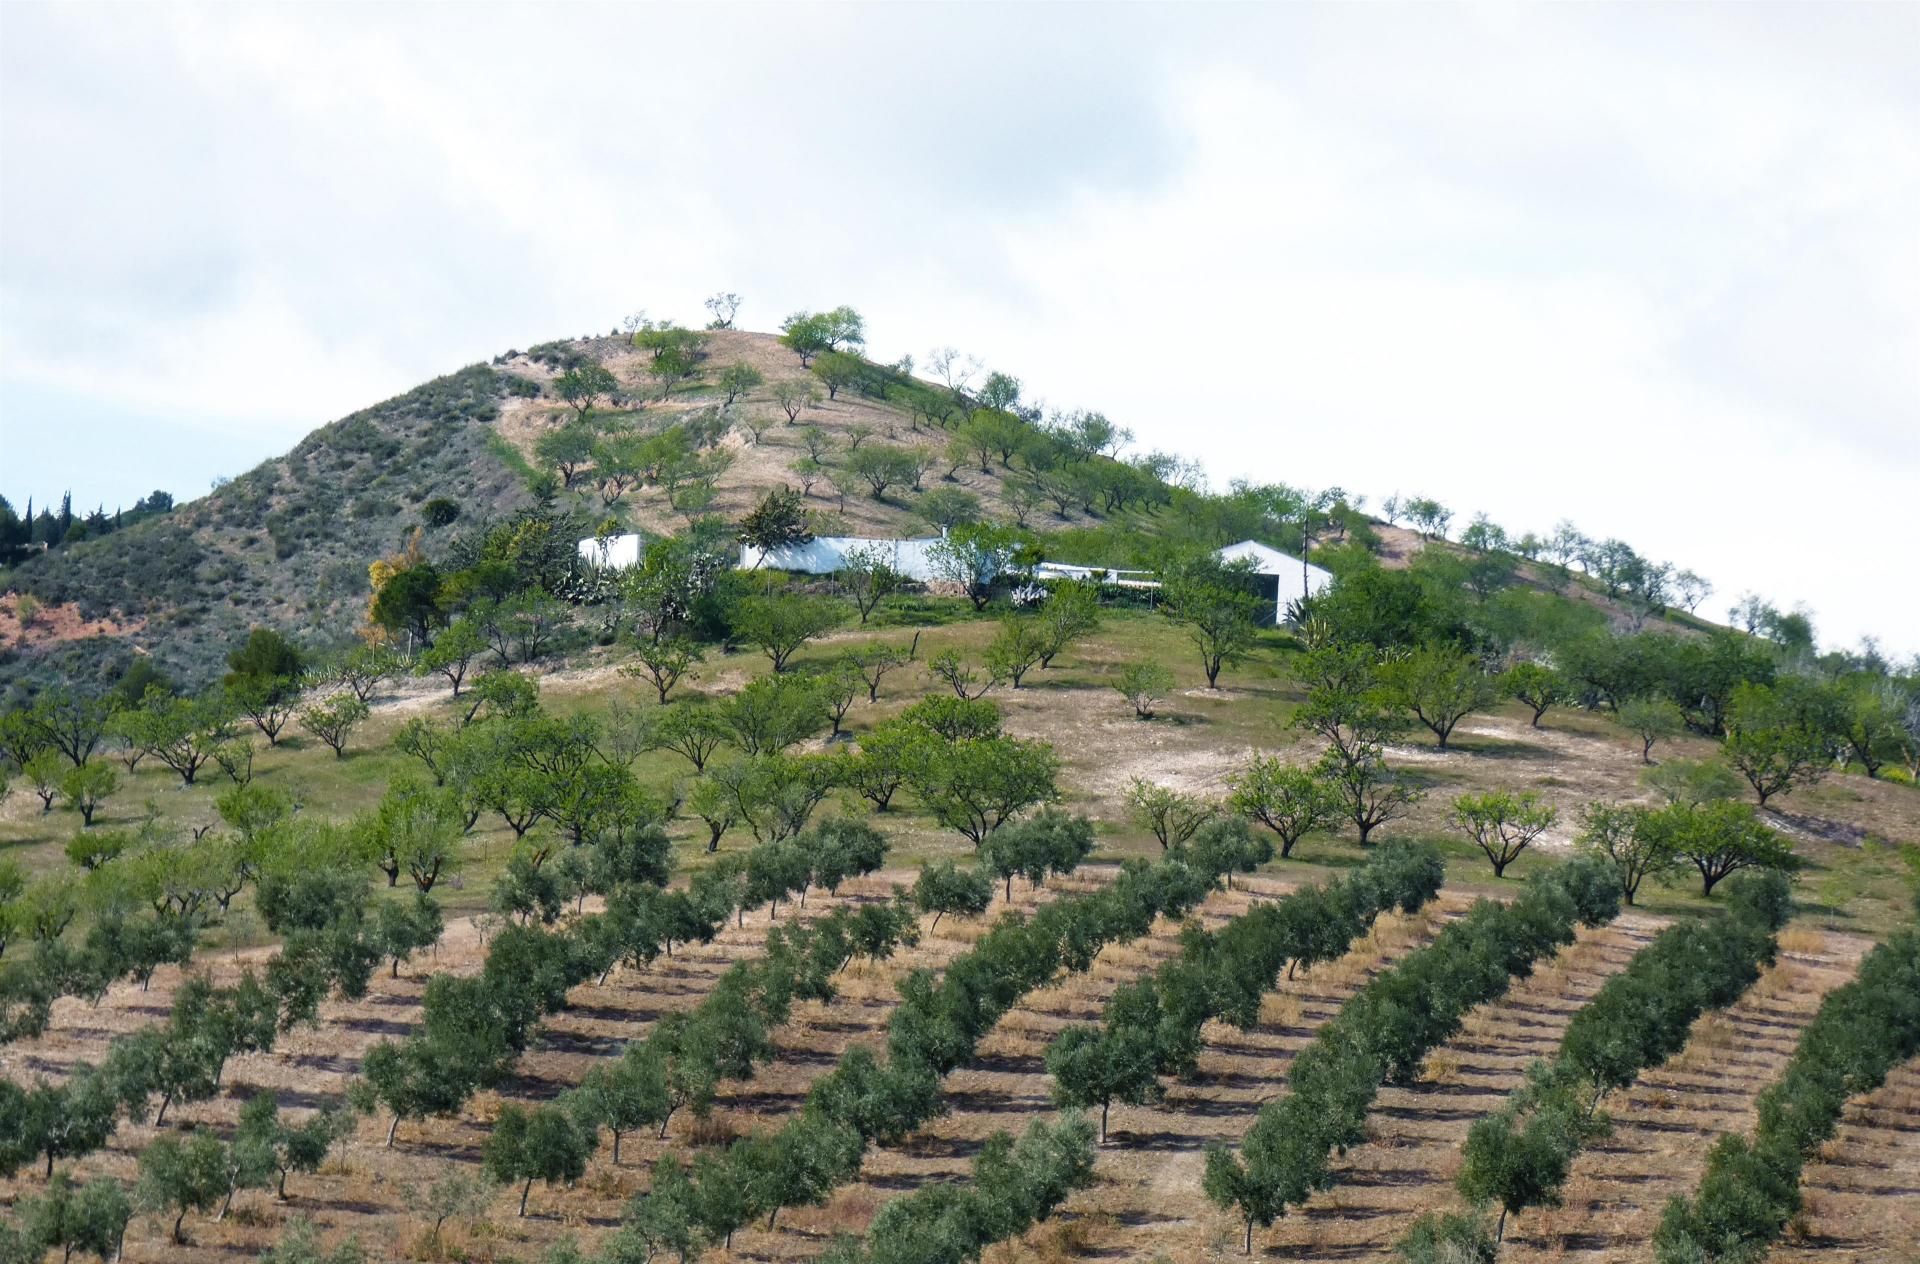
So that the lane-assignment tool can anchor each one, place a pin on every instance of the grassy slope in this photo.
(1845, 828)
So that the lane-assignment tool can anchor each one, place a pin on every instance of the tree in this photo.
(1503, 825)
(583, 386)
(1775, 741)
(1536, 685)
(972, 555)
(409, 603)
(91, 1218)
(810, 334)
(621, 1096)
(663, 662)
(873, 661)
(975, 786)
(1717, 839)
(1048, 843)
(738, 379)
(944, 508)
(967, 684)
(1448, 1238)
(1651, 719)
(1170, 815)
(1694, 782)
(1369, 792)
(835, 370)
(453, 652)
(1221, 619)
(1017, 648)
(86, 787)
(774, 713)
(1143, 685)
(779, 521)
(1070, 612)
(780, 626)
(946, 888)
(868, 577)
(264, 678)
(334, 720)
(794, 397)
(456, 1195)
(690, 730)
(1440, 687)
(1614, 832)
(541, 1144)
(179, 1177)
(181, 733)
(1095, 1066)
(1290, 801)
(69, 721)
(567, 449)
(282, 1147)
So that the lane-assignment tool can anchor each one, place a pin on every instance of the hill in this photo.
(287, 544)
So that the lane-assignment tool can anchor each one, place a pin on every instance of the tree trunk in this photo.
(616, 1147)
(524, 1191)
(283, 1185)
(177, 1222)
(393, 1128)
(1500, 1230)
(1247, 1249)
(166, 1099)
(1105, 1106)
(225, 1206)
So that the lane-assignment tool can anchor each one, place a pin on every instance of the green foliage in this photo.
(1050, 842)
(1439, 687)
(1170, 815)
(1751, 1186)
(1220, 616)
(779, 521)
(1018, 647)
(975, 785)
(1651, 719)
(780, 626)
(1448, 1238)
(1386, 1030)
(333, 720)
(83, 789)
(1292, 802)
(1536, 685)
(1520, 1156)
(542, 1144)
(1718, 839)
(973, 555)
(1779, 739)
(1143, 685)
(945, 888)
(1503, 825)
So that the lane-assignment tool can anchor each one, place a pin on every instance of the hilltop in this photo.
(287, 544)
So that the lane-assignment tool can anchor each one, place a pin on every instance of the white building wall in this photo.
(615, 551)
(823, 555)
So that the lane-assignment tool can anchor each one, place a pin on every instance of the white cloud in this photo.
(1656, 270)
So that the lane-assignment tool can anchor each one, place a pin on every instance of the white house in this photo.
(613, 551)
(825, 554)
(1293, 577)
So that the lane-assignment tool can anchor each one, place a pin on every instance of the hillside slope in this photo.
(288, 543)
(285, 544)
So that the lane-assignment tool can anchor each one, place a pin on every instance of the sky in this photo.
(1651, 268)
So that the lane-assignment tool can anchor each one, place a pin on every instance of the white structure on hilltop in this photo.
(615, 552)
(1293, 577)
(825, 554)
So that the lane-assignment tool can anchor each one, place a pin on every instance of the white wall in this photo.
(823, 555)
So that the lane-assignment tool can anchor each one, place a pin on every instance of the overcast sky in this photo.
(1654, 269)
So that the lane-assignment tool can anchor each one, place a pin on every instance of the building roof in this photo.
(1271, 561)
